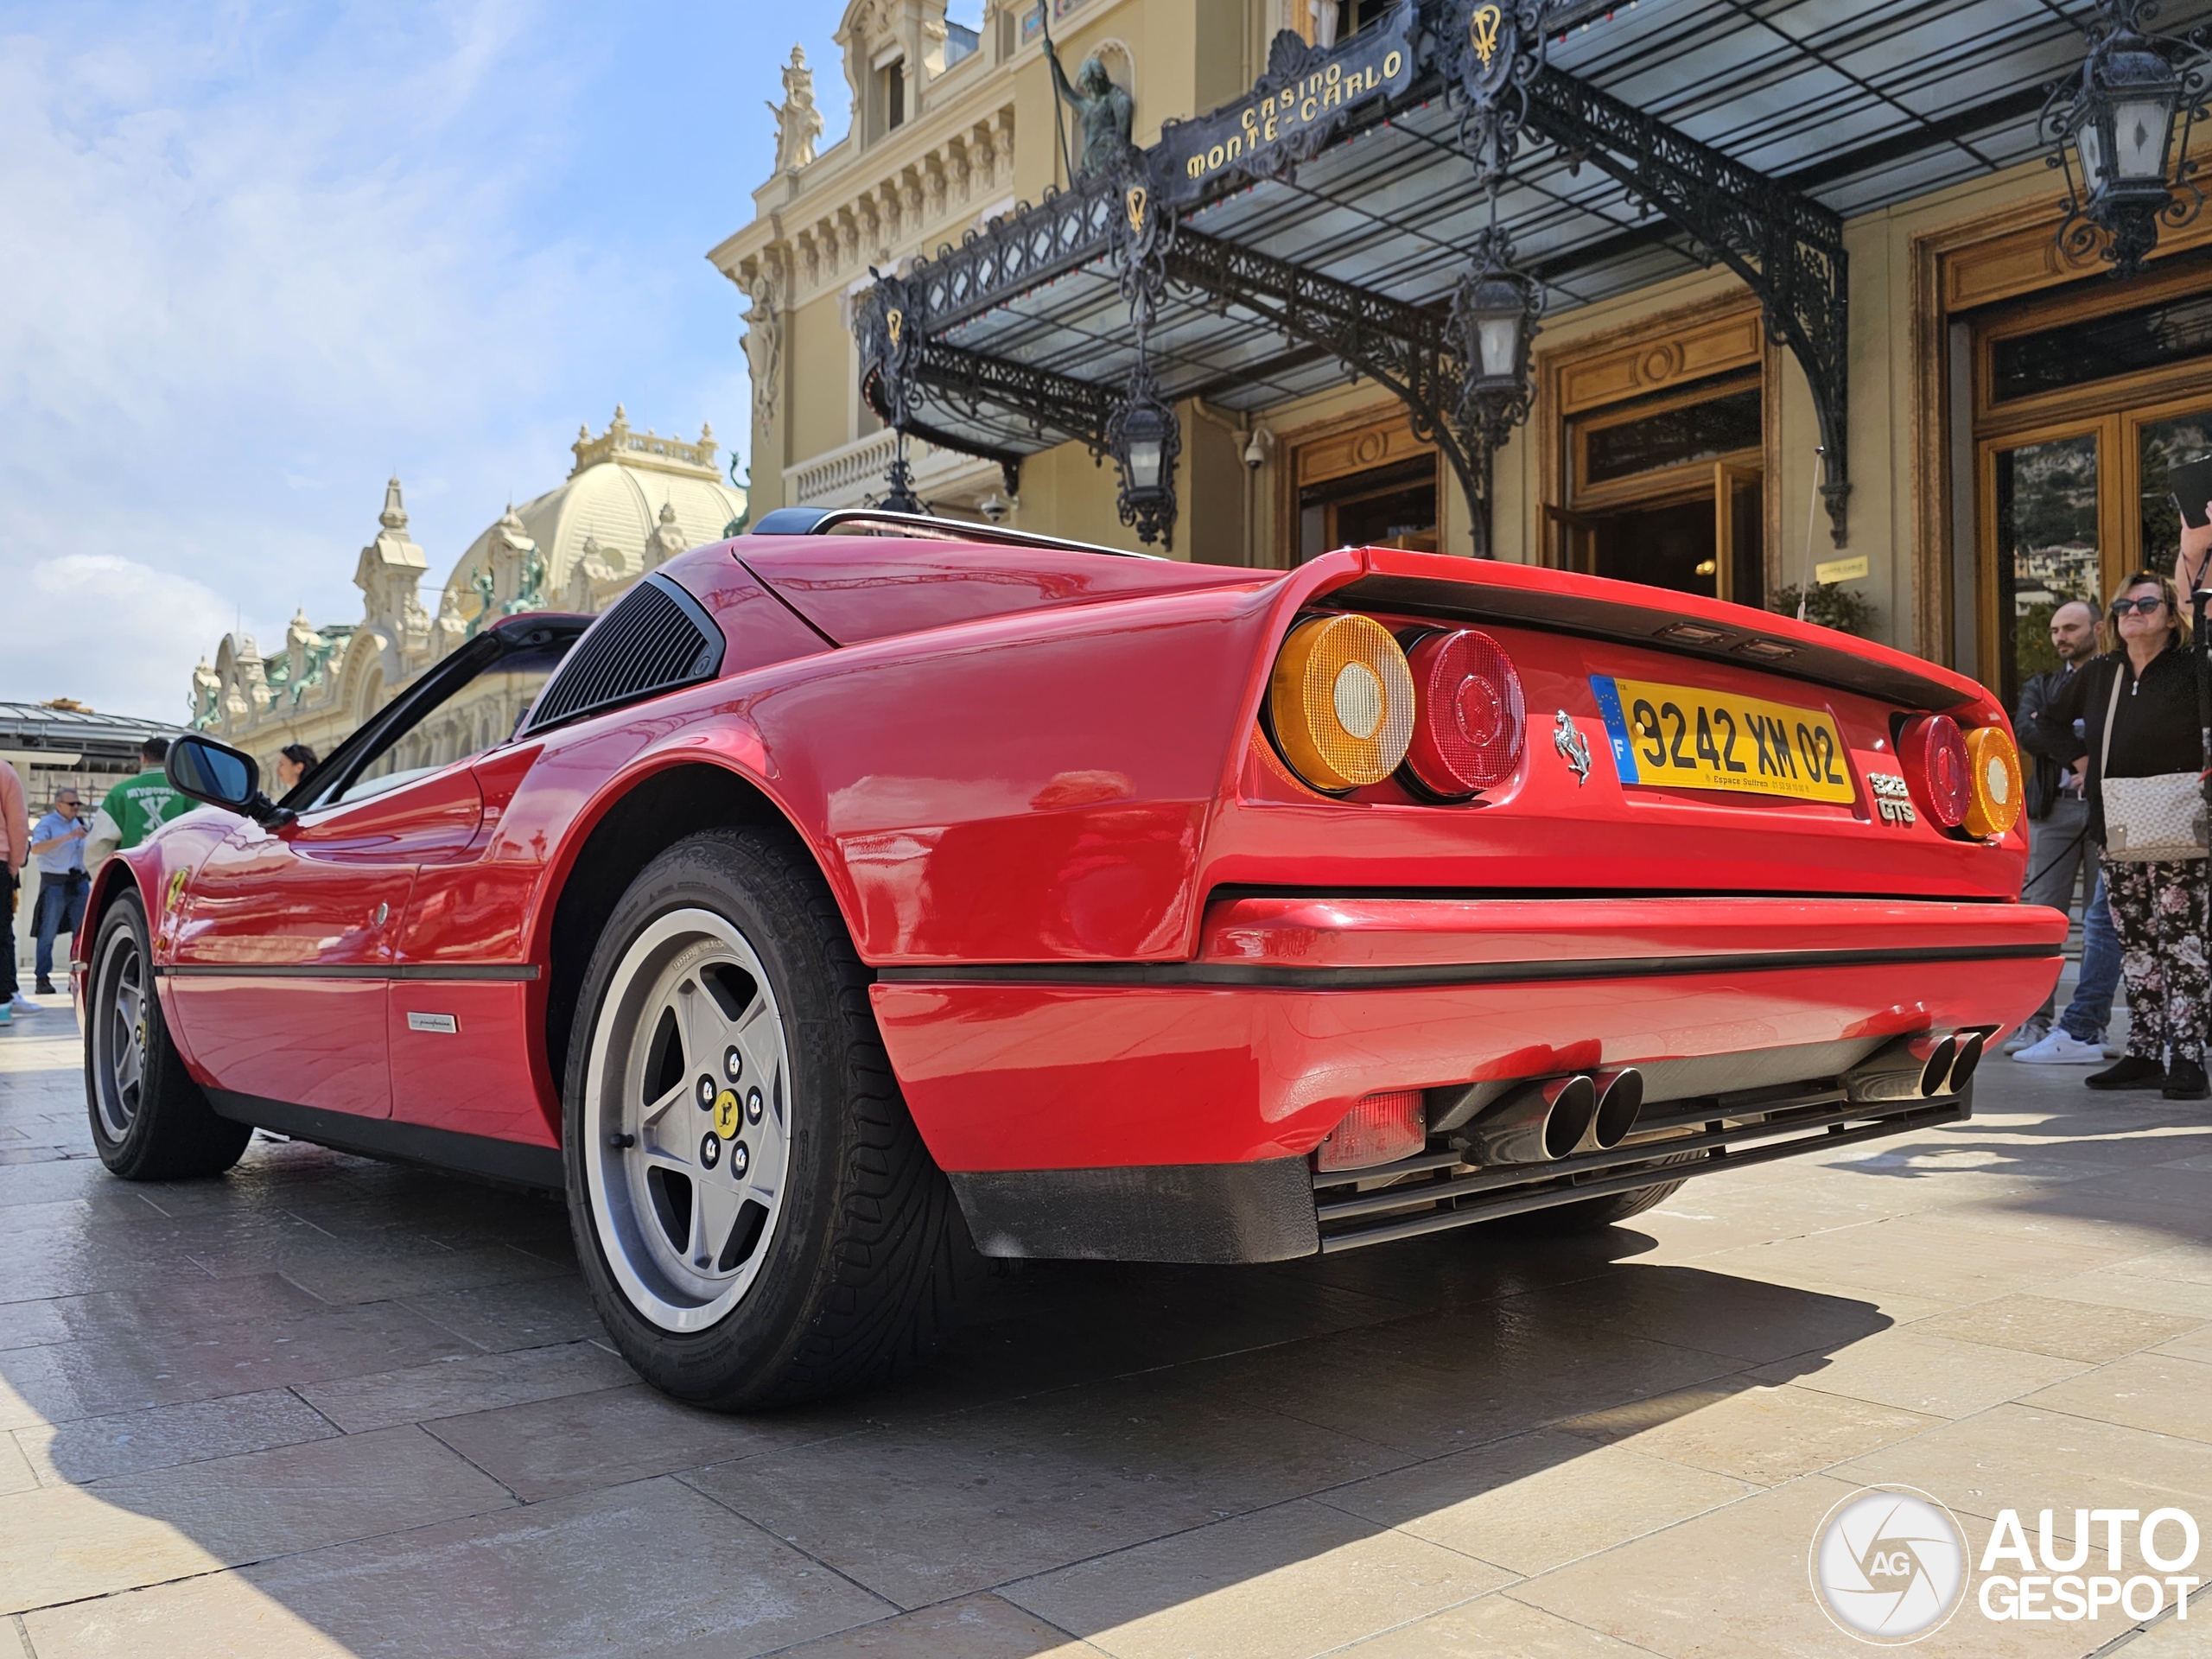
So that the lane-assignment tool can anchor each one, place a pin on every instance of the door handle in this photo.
(384, 913)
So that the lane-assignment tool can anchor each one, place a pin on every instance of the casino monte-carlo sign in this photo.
(1292, 111)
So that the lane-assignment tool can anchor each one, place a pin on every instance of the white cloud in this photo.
(257, 260)
(134, 612)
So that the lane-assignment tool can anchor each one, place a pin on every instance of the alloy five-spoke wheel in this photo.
(755, 1212)
(118, 1033)
(150, 1121)
(687, 1110)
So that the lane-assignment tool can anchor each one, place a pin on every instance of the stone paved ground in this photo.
(325, 1406)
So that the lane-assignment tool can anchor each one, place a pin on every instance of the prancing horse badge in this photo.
(1573, 747)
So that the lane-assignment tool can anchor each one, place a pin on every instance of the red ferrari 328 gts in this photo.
(868, 892)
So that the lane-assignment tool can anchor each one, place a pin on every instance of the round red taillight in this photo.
(1933, 753)
(1470, 722)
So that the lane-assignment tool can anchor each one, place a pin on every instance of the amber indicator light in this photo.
(1994, 782)
(1341, 702)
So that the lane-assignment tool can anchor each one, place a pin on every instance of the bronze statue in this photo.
(1104, 111)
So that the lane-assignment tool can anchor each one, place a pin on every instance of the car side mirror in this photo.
(221, 776)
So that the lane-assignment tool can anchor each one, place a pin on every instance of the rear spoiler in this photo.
(1430, 584)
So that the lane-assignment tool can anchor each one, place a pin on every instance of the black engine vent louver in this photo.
(655, 639)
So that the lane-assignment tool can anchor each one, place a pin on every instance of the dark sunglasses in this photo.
(2147, 607)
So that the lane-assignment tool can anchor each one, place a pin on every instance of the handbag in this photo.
(2156, 817)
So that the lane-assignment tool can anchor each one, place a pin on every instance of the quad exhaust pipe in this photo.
(1928, 1067)
(1620, 1099)
(1968, 1056)
(1548, 1119)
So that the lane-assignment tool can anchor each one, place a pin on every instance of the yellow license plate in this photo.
(1690, 738)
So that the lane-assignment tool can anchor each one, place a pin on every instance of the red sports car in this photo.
(868, 891)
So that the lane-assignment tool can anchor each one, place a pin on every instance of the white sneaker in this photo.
(2026, 1037)
(2062, 1047)
(22, 1004)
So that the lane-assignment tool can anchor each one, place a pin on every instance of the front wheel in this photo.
(755, 1212)
(150, 1121)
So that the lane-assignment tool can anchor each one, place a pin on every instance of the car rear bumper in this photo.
(1297, 1007)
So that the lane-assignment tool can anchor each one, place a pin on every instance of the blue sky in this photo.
(261, 255)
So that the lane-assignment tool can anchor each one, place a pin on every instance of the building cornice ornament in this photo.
(646, 449)
(903, 195)
(390, 573)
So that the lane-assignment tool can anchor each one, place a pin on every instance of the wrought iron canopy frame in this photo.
(1402, 347)
(968, 383)
(1787, 248)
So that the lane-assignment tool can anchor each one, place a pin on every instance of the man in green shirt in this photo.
(137, 807)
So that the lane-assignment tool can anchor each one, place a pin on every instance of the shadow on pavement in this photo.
(375, 1391)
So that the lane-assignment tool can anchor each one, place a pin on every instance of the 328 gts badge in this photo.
(1892, 799)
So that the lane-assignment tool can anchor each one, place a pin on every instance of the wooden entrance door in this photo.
(2082, 400)
(1363, 481)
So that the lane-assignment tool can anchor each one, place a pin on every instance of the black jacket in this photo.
(2155, 729)
(2050, 760)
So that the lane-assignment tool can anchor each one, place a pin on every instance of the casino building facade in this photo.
(1732, 300)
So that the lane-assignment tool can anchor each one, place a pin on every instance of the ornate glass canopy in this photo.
(1319, 227)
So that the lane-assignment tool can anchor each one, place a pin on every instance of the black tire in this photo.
(1593, 1213)
(150, 1121)
(1588, 1215)
(861, 1267)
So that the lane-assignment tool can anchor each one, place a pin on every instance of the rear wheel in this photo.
(755, 1212)
(150, 1121)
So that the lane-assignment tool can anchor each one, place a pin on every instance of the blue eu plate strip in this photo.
(1609, 706)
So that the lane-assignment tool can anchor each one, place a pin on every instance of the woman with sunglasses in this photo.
(2149, 687)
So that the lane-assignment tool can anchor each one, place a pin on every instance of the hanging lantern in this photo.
(2119, 122)
(1144, 438)
(1493, 322)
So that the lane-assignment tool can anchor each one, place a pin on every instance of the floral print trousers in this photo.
(2157, 909)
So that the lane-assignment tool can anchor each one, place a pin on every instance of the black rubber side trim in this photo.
(1477, 973)
(1163, 1212)
(519, 971)
(511, 1161)
(523, 971)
